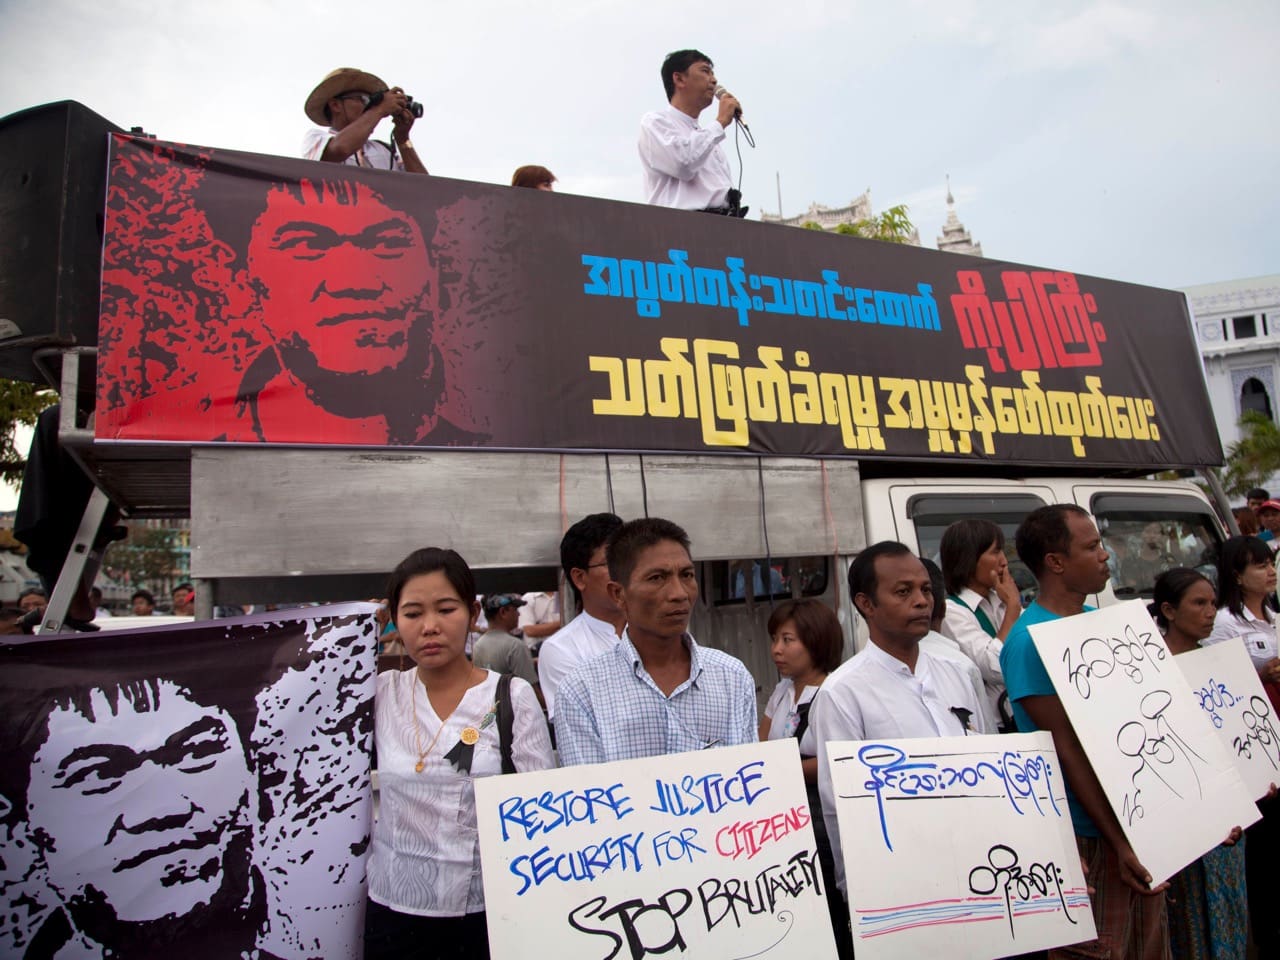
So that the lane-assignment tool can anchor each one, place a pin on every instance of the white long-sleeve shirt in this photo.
(684, 163)
(961, 625)
(875, 696)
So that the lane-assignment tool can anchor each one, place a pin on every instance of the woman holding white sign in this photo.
(1246, 578)
(438, 726)
(1208, 912)
(806, 644)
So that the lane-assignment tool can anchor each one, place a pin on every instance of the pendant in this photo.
(470, 736)
(417, 767)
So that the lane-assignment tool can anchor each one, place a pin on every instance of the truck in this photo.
(787, 396)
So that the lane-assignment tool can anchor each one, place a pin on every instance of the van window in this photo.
(787, 577)
(932, 513)
(1148, 534)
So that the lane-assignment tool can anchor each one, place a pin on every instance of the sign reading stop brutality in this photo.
(984, 846)
(1168, 777)
(253, 299)
(1226, 685)
(708, 854)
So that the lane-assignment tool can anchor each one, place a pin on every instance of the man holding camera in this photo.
(350, 104)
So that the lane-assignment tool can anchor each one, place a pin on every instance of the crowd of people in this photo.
(950, 654)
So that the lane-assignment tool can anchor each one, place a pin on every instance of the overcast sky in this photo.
(1133, 140)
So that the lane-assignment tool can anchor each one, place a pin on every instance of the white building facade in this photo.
(1237, 327)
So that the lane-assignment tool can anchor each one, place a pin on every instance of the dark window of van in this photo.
(787, 577)
(932, 513)
(1148, 534)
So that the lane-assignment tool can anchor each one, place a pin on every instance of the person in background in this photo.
(1211, 920)
(436, 728)
(184, 600)
(1255, 498)
(1063, 550)
(143, 603)
(806, 643)
(1269, 519)
(32, 599)
(95, 597)
(347, 106)
(656, 692)
(1247, 521)
(598, 625)
(539, 618)
(534, 177)
(1246, 578)
(498, 649)
(983, 602)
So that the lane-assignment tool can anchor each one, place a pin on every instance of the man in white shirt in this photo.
(684, 163)
(891, 688)
(347, 106)
(539, 617)
(597, 627)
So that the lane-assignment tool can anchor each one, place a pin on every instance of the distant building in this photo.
(1237, 328)
(955, 238)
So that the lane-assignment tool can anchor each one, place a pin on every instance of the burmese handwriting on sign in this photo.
(1227, 689)
(1002, 889)
(1025, 781)
(939, 833)
(726, 394)
(650, 284)
(1162, 765)
(709, 853)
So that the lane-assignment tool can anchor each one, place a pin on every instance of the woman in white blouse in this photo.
(1246, 577)
(807, 644)
(437, 727)
(983, 602)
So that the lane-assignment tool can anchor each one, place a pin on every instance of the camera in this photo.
(411, 105)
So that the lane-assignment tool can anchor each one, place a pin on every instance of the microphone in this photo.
(721, 93)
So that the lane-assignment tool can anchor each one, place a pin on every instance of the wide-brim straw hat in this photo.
(342, 80)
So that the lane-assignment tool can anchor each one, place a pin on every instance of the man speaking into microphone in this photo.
(684, 162)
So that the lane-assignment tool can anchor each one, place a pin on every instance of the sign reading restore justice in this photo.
(708, 854)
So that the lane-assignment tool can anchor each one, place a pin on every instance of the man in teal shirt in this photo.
(1062, 547)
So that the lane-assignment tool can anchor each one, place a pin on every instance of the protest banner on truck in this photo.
(192, 791)
(1226, 685)
(271, 300)
(709, 854)
(958, 847)
(1167, 776)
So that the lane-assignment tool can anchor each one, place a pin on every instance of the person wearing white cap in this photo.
(347, 106)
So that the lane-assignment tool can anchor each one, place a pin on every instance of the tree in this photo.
(149, 557)
(20, 405)
(891, 226)
(1255, 456)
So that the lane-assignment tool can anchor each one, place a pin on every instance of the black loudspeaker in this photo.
(53, 184)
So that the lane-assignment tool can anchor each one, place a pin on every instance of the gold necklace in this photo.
(470, 735)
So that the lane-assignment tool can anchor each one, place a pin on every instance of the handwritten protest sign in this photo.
(1226, 685)
(709, 854)
(985, 842)
(1169, 779)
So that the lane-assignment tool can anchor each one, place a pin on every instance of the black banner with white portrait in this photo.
(188, 792)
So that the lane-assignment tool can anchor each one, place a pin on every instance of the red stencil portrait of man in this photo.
(244, 308)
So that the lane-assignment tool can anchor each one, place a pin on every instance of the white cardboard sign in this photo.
(958, 847)
(707, 854)
(1226, 685)
(1169, 779)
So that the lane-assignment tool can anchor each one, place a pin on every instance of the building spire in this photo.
(955, 238)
